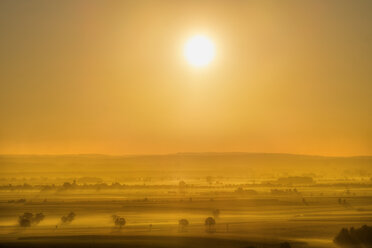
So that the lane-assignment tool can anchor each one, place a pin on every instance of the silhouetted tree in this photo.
(344, 238)
(209, 179)
(354, 237)
(182, 184)
(183, 223)
(285, 245)
(17, 201)
(210, 223)
(28, 219)
(38, 217)
(67, 185)
(68, 218)
(25, 220)
(216, 213)
(119, 221)
(182, 187)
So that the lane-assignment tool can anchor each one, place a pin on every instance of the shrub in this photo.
(354, 236)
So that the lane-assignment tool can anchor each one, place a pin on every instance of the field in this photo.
(262, 211)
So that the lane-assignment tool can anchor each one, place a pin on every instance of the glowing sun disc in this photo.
(199, 51)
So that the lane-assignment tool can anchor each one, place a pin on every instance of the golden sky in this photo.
(111, 77)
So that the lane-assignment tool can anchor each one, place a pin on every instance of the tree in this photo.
(28, 219)
(25, 220)
(119, 221)
(68, 218)
(183, 223)
(182, 184)
(38, 217)
(210, 223)
(285, 245)
(216, 213)
(344, 238)
(182, 187)
(209, 179)
(356, 237)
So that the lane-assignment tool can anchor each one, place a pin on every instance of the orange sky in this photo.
(110, 77)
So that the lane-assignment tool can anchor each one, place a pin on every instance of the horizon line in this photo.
(178, 153)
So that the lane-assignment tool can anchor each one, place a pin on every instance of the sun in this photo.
(199, 51)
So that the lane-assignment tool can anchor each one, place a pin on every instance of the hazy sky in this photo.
(110, 77)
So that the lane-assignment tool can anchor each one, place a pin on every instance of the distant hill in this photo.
(203, 163)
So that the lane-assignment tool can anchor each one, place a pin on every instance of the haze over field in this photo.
(184, 164)
(183, 200)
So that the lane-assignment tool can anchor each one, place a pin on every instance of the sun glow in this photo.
(199, 51)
